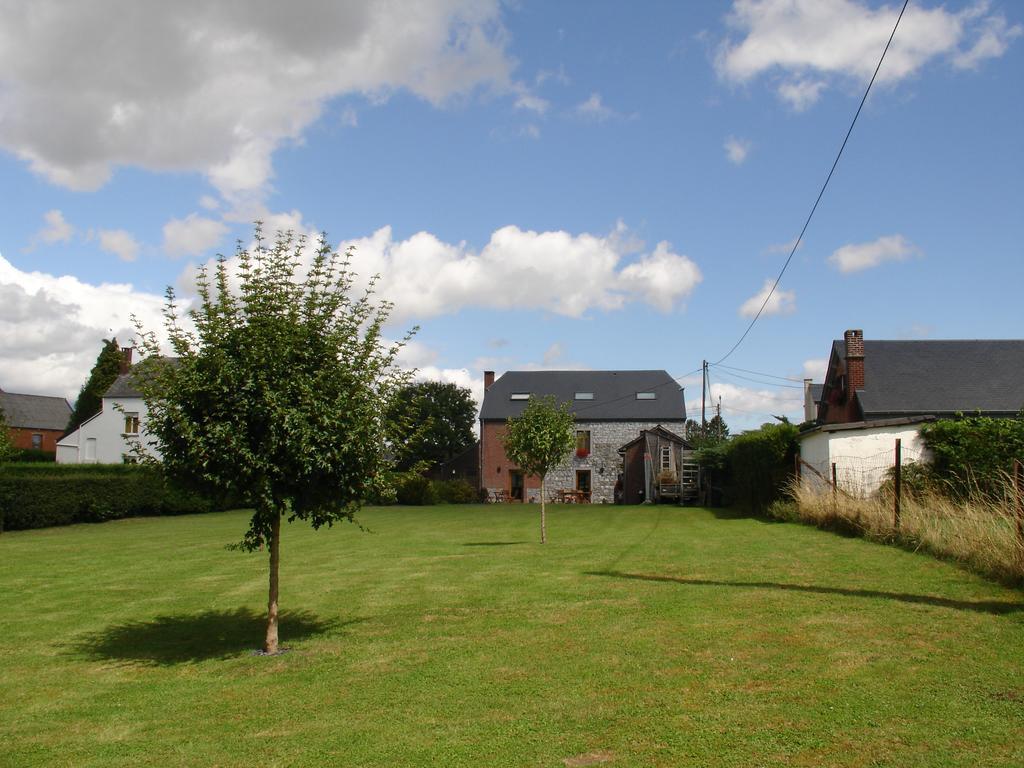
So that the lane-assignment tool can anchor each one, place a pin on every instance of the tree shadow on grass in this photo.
(493, 543)
(168, 640)
(998, 607)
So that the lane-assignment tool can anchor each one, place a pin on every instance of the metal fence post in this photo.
(897, 483)
(835, 485)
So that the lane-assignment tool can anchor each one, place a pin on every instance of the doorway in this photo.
(515, 478)
(583, 483)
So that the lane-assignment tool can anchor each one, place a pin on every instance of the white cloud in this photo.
(800, 94)
(120, 243)
(193, 235)
(780, 303)
(815, 368)
(736, 150)
(217, 87)
(52, 328)
(858, 256)
(809, 44)
(57, 230)
(520, 269)
(743, 407)
(553, 354)
(209, 202)
(594, 108)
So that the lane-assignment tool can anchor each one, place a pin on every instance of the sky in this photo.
(539, 185)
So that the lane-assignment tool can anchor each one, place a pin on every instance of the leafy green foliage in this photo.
(542, 437)
(434, 422)
(105, 370)
(40, 495)
(455, 491)
(974, 453)
(7, 449)
(416, 490)
(760, 462)
(716, 431)
(278, 397)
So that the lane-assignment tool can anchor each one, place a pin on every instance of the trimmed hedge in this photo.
(43, 495)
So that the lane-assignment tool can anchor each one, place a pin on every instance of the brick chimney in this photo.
(126, 359)
(854, 361)
(488, 379)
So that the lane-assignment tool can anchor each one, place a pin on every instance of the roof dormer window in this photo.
(519, 396)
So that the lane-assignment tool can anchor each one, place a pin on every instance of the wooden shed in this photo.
(658, 466)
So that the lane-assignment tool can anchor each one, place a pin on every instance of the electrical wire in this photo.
(758, 381)
(796, 243)
(761, 373)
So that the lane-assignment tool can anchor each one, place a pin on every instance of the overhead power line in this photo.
(796, 243)
(759, 381)
(761, 373)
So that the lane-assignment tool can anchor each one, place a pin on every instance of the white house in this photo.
(109, 436)
(876, 392)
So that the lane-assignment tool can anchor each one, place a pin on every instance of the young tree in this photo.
(435, 422)
(104, 372)
(541, 438)
(277, 398)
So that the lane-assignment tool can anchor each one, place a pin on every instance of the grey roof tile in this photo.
(35, 411)
(614, 394)
(941, 377)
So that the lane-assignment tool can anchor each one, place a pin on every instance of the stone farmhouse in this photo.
(611, 408)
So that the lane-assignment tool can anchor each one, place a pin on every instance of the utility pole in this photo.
(718, 413)
(703, 397)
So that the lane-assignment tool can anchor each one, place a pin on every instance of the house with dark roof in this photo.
(111, 435)
(34, 422)
(611, 408)
(876, 392)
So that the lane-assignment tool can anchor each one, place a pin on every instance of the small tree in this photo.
(541, 438)
(105, 370)
(277, 399)
(434, 422)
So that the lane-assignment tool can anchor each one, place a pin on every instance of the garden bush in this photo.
(975, 453)
(415, 490)
(761, 463)
(34, 495)
(455, 492)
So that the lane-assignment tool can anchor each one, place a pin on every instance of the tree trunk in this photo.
(543, 519)
(271, 647)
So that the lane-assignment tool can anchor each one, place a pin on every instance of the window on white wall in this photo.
(131, 423)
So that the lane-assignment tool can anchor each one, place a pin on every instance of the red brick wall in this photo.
(496, 466)
(22, 438)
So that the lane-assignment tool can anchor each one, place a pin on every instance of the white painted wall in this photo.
(862, 456)
(106, 428)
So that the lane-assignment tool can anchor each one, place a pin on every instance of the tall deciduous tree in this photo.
(538, 440)
(436, 421)
(105, 370)
(278, 397)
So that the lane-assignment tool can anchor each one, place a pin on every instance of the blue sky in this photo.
(554, 185)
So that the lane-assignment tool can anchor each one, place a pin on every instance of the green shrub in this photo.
(974, 453)
(36, 495)
(761, 463)
(415, 490)
(34, 455)
(455, 492)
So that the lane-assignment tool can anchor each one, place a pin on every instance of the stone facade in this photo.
(604, 462)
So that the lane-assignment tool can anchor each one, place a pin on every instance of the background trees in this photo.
(104, 371)
(539, 439)
(278, 398)
(435, 421)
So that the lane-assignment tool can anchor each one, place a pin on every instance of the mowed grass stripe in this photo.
(450, 636)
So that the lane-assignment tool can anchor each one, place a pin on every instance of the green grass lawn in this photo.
(450, 637)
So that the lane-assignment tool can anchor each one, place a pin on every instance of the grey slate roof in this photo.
(614, 394)
(123, 387)
(35, 411)
(903, 378)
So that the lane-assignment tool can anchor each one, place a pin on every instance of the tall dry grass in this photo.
(979, 531)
